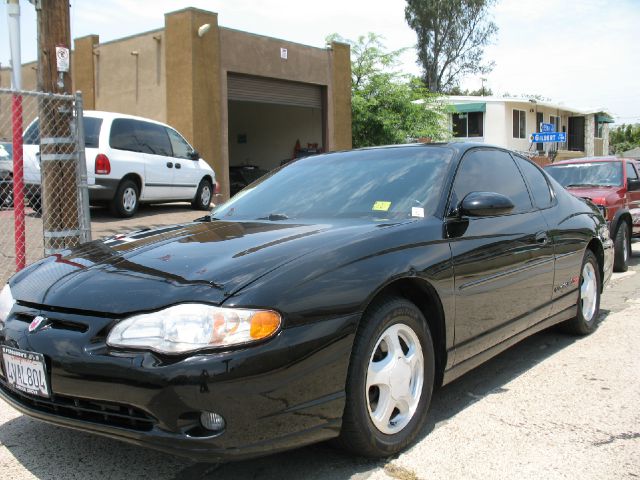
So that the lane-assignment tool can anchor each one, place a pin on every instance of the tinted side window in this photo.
(537, 182)
(153, 139)
(179, 145)
(631, 172)
(491, 171)
(92, 131)
(123, 135)
(137, 136)
(32, 135)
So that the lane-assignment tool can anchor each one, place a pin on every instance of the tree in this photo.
(452, 35)
(388, 107)
(481, 92)
(624, 137)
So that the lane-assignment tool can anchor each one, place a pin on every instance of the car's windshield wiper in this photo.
(274, 216)
(583, 185)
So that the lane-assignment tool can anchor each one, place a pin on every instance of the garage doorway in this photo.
(269, 121)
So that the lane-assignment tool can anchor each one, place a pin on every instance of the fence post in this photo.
(18, 184)
(84, 213)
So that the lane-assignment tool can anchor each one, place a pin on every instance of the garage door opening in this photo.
(270, 122)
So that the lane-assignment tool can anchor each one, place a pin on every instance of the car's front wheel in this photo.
(125, 202)
(390, 380)
(622, 248)
(202, 200)
(586, 320)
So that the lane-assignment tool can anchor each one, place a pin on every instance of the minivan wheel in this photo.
(202, 200)
(586, 320)
(125, 202)
(622, 248)
(390, 380)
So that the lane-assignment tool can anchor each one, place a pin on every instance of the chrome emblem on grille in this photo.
(36, 323)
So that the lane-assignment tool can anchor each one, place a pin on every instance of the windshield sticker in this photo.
(417, 212)
(381, 206)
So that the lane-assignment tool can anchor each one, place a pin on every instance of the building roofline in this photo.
(493, 99)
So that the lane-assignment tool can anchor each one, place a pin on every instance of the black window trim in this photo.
(554, 198)
(525, 123)
(449, 210)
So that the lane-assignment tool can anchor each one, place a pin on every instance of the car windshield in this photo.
(595, 174)
(389, 183)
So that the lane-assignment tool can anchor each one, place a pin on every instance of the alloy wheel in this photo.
(395, 376)
(129, 199)
(588, 291)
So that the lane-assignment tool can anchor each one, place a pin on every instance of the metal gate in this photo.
(267, 90)
(44, 202)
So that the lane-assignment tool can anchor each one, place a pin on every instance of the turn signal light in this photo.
(103, 166)
(264, 324)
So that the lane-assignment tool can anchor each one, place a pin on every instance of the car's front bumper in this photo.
(279, 395)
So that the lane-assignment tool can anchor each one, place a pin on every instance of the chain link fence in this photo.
(44, 203)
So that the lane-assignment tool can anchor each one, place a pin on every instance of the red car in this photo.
(613, 184)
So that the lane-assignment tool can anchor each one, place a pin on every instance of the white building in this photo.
(509, 123)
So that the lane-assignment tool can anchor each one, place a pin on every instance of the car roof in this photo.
(609, 158)
(112, 115)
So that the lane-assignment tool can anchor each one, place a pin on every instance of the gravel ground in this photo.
(551, 407)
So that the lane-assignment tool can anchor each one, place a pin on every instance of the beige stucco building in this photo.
(509, 123)
(239, 98)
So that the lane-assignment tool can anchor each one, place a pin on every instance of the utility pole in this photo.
(59, 192)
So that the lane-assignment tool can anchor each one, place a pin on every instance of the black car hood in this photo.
(147, 270)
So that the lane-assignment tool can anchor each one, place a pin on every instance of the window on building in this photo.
(599, 130)
(519, 123)
(555, 120)
(468, 124)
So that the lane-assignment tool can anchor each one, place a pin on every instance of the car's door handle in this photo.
(170, 164)
(178, 165)
(541, 237)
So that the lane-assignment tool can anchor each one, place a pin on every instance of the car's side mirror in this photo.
(485, 204)
(194, 154)
(633, 184)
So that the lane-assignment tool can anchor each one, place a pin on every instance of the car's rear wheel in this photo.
(622, 248)
(125, 202)
(202, 200)
(390, 380)
(586, 320)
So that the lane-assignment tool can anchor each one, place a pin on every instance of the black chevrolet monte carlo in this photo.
(326, 300)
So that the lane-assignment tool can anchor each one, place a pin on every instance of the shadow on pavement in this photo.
(53, 452)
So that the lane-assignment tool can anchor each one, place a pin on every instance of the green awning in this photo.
(467, 107)
(604, 119)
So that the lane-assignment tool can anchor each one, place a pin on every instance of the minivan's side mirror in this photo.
(633, 184)
(485, 204)
(194, 154)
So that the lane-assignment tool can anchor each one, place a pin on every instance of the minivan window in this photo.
(137, 136)
(180, 147)
(490, 171)
(91, 132)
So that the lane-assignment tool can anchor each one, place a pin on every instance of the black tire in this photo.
(359, 434)
(124, 204)
(200, 202)
(581, 325)
(622, 248)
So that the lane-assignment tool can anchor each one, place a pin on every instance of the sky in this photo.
(580, 53)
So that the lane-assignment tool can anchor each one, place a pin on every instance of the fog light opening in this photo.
(212, 421)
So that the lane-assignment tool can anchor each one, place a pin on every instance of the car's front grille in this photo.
(105, 413)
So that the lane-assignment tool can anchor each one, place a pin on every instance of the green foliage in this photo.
(486, 92)
(388, 107)
(624, 137)
(452, 35)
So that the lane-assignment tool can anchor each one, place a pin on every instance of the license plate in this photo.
(25, 371)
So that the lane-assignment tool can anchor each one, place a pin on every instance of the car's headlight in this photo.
(6, 303)
(192, 326)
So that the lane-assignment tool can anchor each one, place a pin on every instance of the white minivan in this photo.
(130, 160)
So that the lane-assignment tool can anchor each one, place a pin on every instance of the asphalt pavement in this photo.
(551, 407)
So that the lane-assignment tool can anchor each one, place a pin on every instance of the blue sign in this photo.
(547, 127)
(548, 137)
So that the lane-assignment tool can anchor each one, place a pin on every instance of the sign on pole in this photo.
(547, 127)
(548, 137)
